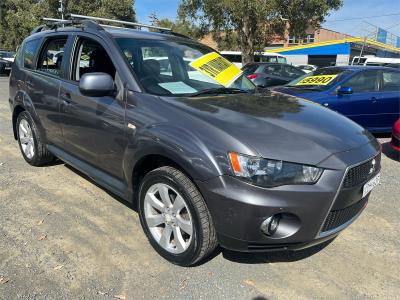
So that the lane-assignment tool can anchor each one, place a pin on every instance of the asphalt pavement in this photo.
(63, 237)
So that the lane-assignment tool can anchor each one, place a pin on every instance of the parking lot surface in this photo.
(63, 237)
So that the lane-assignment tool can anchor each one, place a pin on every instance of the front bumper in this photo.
(238, 208)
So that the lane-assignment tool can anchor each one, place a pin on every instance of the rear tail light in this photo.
(252, 76)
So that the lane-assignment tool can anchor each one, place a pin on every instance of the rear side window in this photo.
(391, 81)
(249, 69)
(292, 72)
(52, 56)
(273, 70)
(29, 51)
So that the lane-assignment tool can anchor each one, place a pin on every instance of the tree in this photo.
(180, 25)
(252, 24)
(19, 17)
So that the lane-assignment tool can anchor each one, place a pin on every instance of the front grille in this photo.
(362, 173)
(339, 217)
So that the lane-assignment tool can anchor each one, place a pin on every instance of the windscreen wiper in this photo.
(299, 87)
(222, 90)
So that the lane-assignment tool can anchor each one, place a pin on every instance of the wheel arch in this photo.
(23, 102)
(152, 161)
(17, 110)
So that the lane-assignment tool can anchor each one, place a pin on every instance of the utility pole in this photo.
(61, 9)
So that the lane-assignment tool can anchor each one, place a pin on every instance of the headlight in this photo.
(271, 173)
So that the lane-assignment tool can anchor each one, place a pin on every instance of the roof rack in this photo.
(53, 23)
(133, 24)
(94, 22)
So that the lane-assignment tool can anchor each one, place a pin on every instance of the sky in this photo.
(351, 9)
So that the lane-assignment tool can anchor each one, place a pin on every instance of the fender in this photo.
(23, 100)
(176, 144)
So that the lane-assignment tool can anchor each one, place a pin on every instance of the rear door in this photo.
(93, 127)
(362, 105)
(389, 100)
(43, 85)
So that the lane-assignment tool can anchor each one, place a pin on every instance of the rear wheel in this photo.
(33, 150)
(175, 217)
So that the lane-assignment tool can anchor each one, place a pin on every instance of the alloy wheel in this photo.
(168, 218)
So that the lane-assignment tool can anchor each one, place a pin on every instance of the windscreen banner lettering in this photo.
(218, 68)
(317, 80)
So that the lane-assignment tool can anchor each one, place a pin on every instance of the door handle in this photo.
(374, 100)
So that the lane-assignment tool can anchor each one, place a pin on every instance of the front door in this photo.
(93, 127)
(362, 105)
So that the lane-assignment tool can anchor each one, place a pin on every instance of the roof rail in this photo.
(94, 22)
(53, 23)
(133, 24)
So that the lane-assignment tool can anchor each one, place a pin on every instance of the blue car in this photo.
(370, 96)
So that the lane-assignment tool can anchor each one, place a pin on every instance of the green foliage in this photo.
(181, 26)
(252, 24)
(19, 17)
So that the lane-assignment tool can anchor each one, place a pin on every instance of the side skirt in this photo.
(112, 184)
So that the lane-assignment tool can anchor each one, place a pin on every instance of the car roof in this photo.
(268, 63)
(359, 68)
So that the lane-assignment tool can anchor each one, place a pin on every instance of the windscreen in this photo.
(176, 68)
(319, 80)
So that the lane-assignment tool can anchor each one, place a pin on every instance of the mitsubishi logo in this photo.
(372, 169)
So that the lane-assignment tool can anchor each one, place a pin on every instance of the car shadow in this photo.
(389, 152)
(116, 197)
(274, 257)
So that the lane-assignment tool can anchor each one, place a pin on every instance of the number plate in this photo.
(371, 184)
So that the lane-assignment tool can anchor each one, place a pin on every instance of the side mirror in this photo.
(96, 84)
(345, 90)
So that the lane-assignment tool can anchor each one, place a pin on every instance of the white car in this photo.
(236, 57)
(307, 68)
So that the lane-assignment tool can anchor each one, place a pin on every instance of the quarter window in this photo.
(390, 81)
(52, 56)
(29, 51)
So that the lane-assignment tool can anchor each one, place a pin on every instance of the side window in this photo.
(390, 81)
(363, 81)
(273, 70)
(292, 72)
(249, 69)
(52, 55)
(29, 51)
(91, 57)
(156, 62)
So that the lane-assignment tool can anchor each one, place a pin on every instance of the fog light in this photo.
(270, 225)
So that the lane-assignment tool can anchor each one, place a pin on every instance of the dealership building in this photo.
(336, 52)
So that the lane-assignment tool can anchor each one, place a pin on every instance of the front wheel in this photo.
(175, 217)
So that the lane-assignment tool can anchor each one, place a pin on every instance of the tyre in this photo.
(175, 217)
(33, 150)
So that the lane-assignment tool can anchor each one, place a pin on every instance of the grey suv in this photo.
(206, 163)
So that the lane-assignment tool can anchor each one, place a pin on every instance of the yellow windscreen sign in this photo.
(316, 80)
(218, 68)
